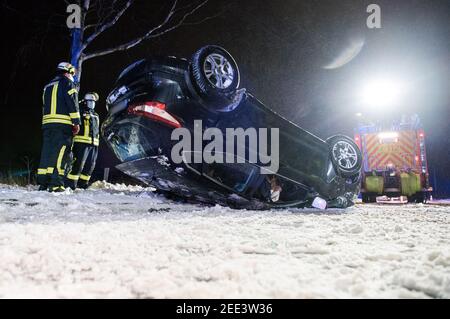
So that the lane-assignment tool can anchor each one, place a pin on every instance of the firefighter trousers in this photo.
(85, 158)
(55, 154)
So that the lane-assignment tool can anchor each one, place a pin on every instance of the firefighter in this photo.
(60, 122)
(85, 147)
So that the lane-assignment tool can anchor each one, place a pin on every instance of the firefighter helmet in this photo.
(67, 67)
(91, 96)
(90, 99)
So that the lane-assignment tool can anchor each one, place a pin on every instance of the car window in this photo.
(236, 177)
(131, 142)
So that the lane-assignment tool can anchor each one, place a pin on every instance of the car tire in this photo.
(215, 75)
(345, 155)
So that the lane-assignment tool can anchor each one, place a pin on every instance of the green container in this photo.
(410, 183)
(374, 184)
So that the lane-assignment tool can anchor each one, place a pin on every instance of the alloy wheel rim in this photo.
(345, 155)
(218, 71)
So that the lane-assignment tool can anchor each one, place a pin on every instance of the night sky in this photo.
(281, 48)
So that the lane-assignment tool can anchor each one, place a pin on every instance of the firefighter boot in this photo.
(71, 182)
(83, 184)
(57, 189)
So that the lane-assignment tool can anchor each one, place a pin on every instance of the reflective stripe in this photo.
(72, 91)
(85, 138)
(68, 122)
(85, 177)
(54, 98)
(42, 171)
(60, 157)
(50, 170)
(56, 116)
(81, 139)
(73, 177)
(74, 115)
(86, 128)
(51, 84)
(88, 140)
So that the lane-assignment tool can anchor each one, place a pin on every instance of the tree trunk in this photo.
(77, 44)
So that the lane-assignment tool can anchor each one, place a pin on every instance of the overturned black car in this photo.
(161, 99)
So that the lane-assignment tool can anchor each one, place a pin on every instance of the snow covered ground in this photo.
(117, 241)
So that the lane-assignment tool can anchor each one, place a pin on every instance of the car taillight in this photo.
(155, 111)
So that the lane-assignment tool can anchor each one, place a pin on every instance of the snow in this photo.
(118, 241)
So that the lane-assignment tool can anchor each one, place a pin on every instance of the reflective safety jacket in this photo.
(89, 128)
(60, 99)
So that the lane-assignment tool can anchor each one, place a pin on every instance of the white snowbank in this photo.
(117, 241)
(102, 185)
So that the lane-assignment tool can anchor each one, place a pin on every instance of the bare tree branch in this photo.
(90, 26)
(150, 34)
(84, 11)
(204, 19)
(134, 42)
(108, 25)
(86, 5)
(180, 23)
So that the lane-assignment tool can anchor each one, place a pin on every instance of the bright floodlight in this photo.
(381, 93)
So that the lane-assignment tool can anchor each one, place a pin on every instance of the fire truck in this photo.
(394, 161)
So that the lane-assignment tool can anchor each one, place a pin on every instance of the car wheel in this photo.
(345, 155)
(214, 72)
